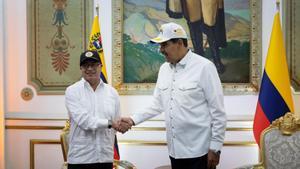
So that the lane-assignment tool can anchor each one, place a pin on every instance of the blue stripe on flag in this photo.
(270, 100)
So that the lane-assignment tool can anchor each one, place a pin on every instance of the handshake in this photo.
(123, 124)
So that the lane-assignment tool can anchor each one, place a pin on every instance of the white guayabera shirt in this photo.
(190, 93)
(90, 139)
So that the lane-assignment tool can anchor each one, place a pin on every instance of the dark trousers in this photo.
(91, 166)
(189, 163)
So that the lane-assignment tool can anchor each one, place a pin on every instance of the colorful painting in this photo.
(140, 62)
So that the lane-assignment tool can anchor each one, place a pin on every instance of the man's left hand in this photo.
(212, 159)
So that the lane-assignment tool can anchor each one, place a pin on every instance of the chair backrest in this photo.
(64, 139)
(281, 143)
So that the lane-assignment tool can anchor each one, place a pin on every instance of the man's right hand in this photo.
(123, 125)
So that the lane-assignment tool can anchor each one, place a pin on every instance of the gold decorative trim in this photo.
(16, 118)
(163, 143)
(19, 127)
(239, 143)
(148, 129)
(239, 129)
(34, 127)
(142, 142)
(232, 120)
(27, 94)
(151, 120)
(287, 124)
(38, 141)
(164, 129)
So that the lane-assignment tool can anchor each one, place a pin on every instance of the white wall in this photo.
(13, 76)
(2, 160)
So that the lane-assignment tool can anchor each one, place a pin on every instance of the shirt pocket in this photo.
(164, 93)
(189, 94)
(163, 87)
(188, 86)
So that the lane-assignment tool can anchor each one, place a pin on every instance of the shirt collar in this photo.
(86, 83)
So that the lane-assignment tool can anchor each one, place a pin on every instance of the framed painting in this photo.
(136, 61)
(292, 24)
(58, 32)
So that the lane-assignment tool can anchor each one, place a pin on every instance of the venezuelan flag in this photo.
(95, 43)
(275, 98)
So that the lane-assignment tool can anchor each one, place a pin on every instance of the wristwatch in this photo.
(218, 152)
(109, 124)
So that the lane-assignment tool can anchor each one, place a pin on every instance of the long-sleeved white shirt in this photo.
(90, 140)
(190, 94)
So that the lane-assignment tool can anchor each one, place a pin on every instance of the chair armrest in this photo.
(64, 166)
(124, 164)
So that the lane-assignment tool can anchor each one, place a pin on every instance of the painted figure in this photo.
(202, 16)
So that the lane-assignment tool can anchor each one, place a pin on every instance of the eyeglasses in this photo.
(165, 44)
(92, 65)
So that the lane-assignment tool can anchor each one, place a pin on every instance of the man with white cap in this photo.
(189, 92)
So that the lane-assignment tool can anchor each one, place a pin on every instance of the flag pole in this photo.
(278, 5)
(97, 9)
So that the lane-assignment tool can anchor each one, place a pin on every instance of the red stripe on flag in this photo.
(116, 154)
(260, 123)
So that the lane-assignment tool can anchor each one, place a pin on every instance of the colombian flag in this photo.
(275, 98)
(95, 43)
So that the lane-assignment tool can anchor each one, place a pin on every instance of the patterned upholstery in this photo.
(64, 137)
(280, 147)
(282, 151)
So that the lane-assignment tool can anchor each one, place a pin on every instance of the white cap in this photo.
(169, 31)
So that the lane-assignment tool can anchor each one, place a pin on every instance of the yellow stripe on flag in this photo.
(276, 65)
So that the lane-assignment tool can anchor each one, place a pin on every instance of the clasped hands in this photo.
(123, 124)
